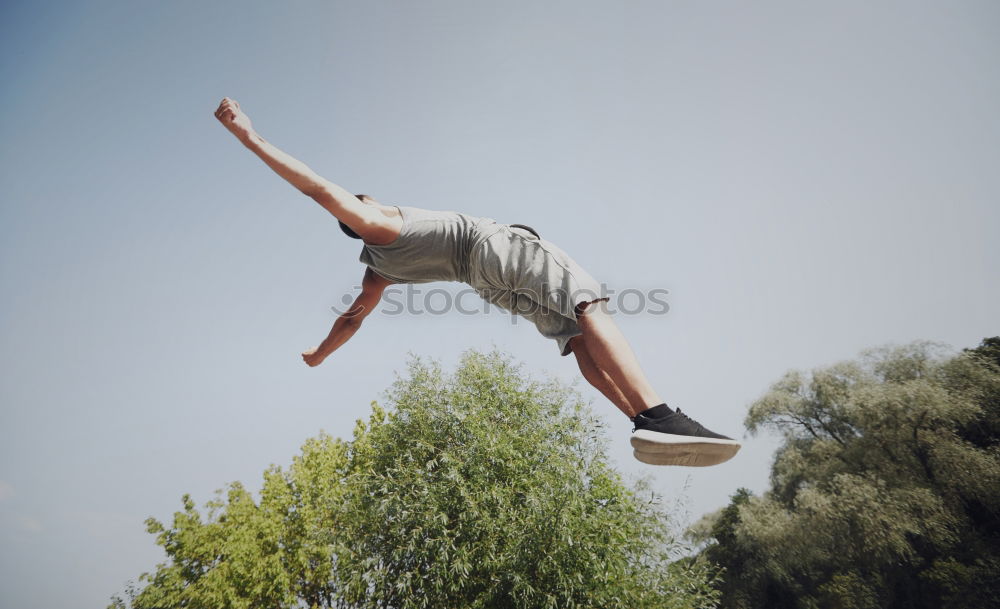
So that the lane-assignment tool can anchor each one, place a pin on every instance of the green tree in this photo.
(275, 552)
(485, 490)
(481, 488)
(884, 493)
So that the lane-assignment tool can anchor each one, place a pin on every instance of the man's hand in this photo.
(312, 357)
(234, 119)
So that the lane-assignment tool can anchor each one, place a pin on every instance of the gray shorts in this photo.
(533, 278)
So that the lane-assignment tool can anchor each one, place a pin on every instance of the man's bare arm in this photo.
(372, 287)
(335, 199)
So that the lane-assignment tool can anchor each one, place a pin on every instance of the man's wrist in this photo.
(249, 138)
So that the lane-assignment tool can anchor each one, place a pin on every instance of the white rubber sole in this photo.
(657, 448)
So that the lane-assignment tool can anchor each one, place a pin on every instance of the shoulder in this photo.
(383, 228)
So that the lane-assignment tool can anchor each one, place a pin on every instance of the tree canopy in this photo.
(480, 488)
(884, 493)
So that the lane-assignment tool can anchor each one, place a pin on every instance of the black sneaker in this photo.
(676, 439)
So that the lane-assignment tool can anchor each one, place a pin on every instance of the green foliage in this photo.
(885, 492)
(480, 488)
(244, 553)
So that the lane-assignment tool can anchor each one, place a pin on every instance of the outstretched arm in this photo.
(338, 201)
(348, 323)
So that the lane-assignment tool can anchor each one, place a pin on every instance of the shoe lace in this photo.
(677, 412)
(635, 420)
(698, 426)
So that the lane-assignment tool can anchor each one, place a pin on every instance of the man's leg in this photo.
(662, 436)
(597, 377)
(613, 356)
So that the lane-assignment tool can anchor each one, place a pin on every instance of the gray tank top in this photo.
(432, 246)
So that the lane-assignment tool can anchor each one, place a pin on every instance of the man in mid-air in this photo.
(510, 266)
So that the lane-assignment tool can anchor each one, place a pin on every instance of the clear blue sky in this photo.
(806, 179)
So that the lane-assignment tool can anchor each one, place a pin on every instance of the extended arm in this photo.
(348, 323)
(338, 201)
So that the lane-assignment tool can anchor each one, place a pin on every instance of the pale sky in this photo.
(805, 179)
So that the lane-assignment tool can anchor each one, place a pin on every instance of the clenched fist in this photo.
(313, 357)
(233, 118)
